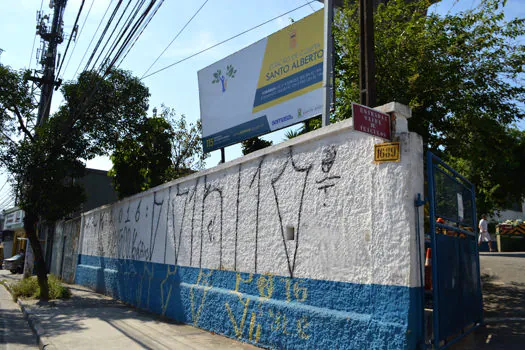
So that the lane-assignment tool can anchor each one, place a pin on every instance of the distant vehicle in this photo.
(15, 264)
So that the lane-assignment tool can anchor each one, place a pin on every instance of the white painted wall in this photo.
(509, 214)
(354, 220)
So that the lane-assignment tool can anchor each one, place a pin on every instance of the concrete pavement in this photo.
(89, 320)
(503, 278)
(93, 321)
(15, 333)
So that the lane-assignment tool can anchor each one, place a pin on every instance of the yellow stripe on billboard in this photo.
(292, 63)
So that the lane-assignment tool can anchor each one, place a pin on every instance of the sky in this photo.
(177, 86)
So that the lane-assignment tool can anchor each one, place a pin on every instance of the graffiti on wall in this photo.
(257, 252)
(195, 223)
(190, 223)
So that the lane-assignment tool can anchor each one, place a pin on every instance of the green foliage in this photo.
(187, 155)
(15, 103)
(290, 134)
(45, 160)
(28, 288)
(162, 148)
(96, 114)
(307, 126)
(462, 75)
(254, 144)
(143, 160)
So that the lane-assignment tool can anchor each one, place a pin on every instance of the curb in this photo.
(43, 342)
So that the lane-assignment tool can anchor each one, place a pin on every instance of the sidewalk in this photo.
(15, 333)
(503, 278)
(93, 321)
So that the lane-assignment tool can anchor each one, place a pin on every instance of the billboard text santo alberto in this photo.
(269, 85)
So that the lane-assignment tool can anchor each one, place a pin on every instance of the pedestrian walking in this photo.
(484, 235)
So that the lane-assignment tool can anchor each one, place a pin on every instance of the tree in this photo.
(142, 160)
(187, 155)
(164, 148)
(45, 160)
(254, 144)
(306, 126)
(462, 75)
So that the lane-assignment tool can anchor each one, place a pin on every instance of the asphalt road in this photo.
(503, 279)
(507, 268)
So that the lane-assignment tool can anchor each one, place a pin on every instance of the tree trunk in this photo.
(30, 222)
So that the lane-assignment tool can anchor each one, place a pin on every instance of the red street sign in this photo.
(371, 121)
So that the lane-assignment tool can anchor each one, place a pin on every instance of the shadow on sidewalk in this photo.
(66, 316)
(89, 320)
(504, 316)
(503, 300)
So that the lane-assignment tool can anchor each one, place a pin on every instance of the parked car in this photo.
(15, 264)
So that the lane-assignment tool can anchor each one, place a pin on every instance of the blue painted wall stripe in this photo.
(270, 311)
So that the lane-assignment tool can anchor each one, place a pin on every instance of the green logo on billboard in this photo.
(219, 77)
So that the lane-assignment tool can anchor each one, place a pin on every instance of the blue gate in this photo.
(456, 284)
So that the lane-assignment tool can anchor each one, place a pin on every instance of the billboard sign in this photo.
(371, 121)
(14, 220)
(269, 85)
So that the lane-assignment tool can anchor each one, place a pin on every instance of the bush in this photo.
(29, 288)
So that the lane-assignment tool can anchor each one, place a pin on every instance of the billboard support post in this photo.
(223, 155)
(327, 60)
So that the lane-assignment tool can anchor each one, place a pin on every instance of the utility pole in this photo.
(367, 61)
(51, 37)
(327, 60)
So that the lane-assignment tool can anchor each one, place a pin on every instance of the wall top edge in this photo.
(332, 129)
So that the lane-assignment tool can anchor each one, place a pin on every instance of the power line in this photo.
(78, 37)
(132, 36)
(310, 4)
(122, 33)
(176, 36)
(7, 203)
(93, 38)
(7, 198)
(111, 35)
(5, 183)
(140, 33)
(5, 195)
(226, 40)
(71, 37)
(108, 24)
